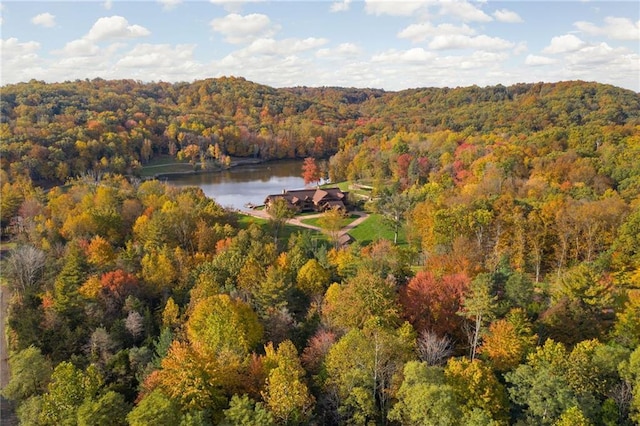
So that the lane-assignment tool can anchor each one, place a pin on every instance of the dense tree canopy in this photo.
(508, 292)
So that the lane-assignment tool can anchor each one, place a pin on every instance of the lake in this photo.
(246, 184)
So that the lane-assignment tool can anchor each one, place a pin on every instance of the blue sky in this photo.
(391, 45)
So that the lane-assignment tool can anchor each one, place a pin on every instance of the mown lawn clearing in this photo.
(373, 229)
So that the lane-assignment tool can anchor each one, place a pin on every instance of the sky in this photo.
(390, 45)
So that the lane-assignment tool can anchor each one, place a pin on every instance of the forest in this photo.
(512, 299)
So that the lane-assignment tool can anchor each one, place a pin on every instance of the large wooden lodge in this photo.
(309, 200)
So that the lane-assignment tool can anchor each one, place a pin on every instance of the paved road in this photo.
(297, 221)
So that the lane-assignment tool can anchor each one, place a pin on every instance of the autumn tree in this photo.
(430, 303)
(312, 278)
(286, 394)
(475, 386)
(279, 213)
(331, 223)
(508, 340)
(361, 298)
(310, 171)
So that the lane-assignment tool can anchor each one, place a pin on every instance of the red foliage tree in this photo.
(310, 171)
(430, 303)
(118, 285)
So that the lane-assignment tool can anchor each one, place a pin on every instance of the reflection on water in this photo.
(246, 184)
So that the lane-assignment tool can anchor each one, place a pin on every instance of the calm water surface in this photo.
(246, 184)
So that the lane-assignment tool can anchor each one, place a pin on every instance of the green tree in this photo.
(630, 372)
(243, 411)
(109, 409)
(221, 323)
(540, 387)
(279, 213)
(424, 398)
(573, 417)
(154, 409)
(67, 300)
(68, 389)
(362, 297)
(30, 373)
(394, 208)
(363, 383)
(479, 306)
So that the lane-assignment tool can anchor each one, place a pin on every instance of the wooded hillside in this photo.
(514, 297)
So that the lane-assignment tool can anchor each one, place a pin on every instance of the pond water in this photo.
(246, 184)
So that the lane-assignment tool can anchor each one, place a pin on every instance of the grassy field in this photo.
(165, 165)
(374, 229)
(315, 221)
(244, 221)
(346, 187)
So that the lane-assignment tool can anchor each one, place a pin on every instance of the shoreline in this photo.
(234, 163)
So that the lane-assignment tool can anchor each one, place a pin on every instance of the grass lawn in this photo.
(165, 165)
(374, 229)
(315, 221)
(344, 185)
(245, 220)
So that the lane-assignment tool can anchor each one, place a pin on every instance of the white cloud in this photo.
(417, 54)
(394, 8)
(80, 47)
(242, 29)
(160, 56)
(420, 32)
(231, 5)
(169, 4)
(482, 59)
(508, 16)
(563, 44)
(115, 27)
(613, 28)
(464, 11)
(520, 48)
(12, 47)
(340, 6)
(108, 4)
(44, 19)
(459, 41)
(344, 50)
(535, 61)
(271, 47)
(593, 55)
(19, 59)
